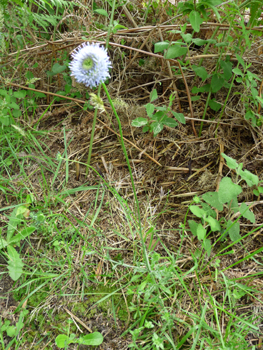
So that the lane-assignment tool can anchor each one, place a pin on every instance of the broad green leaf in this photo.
(62, 340)
(195, 20)
(212, 199)
(156, 128)
(200, 72)
(228, 190)
(240, 61)
(94, 339)
(101, 12)
(201, 232)
(179, 116)
(197, 211)
(161, 46)
(149, 109)
(22, 235)
(227, 69)
(205, 88)
(208, 209)
(234, 230)
(153, 95)
(146, 128)
(170, 122)
(175, 51)
(207, 246)
(193, 226)
(214, 224)
(231, 163)
(15, 264)
(215, 106)
(138, 122)
(234, 205)
(237, 71)
(20, 94)
(199, 42)
(195, 98)
(187, 37)
(250, 178)
(158, 116)
(57, 68)
(11, 331)
(246, 213)
(217, 82)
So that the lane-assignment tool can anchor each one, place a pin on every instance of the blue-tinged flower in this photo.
(90, 64)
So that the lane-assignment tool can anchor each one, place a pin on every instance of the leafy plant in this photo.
(16, 219)
(156, 121)
(94, 339)
(12, 331)
(227, 195)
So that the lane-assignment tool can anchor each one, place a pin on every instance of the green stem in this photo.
(204, 114)
(99, 89)
(92, 135)
(132, 181)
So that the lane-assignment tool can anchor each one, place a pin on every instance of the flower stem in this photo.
(132, 181)
(96, 109)
(92, 134)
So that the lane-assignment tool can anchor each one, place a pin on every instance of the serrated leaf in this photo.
(3, 243)
(246, 213)
(195, 20)
(138, 122)
(175, 51)
(161, 46)
(228, 190)
(214, 224)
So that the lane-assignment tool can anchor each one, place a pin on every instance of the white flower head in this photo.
(90, 64)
